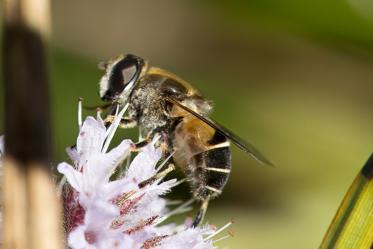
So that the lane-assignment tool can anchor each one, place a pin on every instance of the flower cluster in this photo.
(127, 212)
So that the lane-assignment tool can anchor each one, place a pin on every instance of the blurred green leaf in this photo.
(334, 20)
(352, 226)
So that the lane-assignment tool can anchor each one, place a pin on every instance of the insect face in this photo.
(121, 77)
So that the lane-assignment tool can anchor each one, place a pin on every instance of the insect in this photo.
(162, 103)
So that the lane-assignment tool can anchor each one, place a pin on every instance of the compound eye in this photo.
(129, 73)
(122, 74)
(125, 72)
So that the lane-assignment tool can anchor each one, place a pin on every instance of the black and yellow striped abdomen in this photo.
(211, 172)
(205, 157)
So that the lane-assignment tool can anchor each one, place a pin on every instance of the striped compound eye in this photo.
(122, 75)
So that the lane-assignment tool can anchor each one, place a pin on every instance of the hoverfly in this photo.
(162, 103)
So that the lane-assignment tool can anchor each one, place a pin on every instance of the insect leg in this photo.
(125, 123)
(157, 176)
(201, 213)
(141, 144)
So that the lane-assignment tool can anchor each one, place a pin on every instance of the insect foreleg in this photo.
(125, 122)
(201, 213)
(157, 176)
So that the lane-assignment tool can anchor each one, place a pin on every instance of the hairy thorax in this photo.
(147, 107)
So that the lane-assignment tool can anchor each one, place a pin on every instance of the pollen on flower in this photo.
(128, 211)
(90, 237)
(153, 242)
(141, 225)
(74, 212)
(127, 206)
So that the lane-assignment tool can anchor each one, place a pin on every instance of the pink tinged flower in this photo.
(74, 212)
(96, 231)
(95, 167)
(143, 165)
(124, 213)
(190, 238)
(90, 141)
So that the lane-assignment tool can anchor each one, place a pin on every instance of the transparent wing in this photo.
(245, 146)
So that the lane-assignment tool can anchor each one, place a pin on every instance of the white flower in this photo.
(126, 212)
(93, 168)
(189, 238)
(96, 229)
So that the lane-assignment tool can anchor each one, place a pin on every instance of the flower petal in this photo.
(143, 165)
(115, 188)
(73, 154)
(76, 238)
(100, 214)
(120, 214)
(190, 238)
(91, 138)
(73, 176)
(101, 166)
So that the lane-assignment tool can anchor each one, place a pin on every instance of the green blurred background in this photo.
(293, 77)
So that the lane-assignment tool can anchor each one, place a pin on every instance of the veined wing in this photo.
(245, 146)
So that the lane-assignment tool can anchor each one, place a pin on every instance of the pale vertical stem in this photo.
(31, 208)
(15, 203)
(45, 214)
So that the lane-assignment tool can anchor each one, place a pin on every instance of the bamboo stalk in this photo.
(45, 213)
(32, 213)
(15, 202)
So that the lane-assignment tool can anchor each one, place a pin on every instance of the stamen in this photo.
(153, 242)
(219, 230)
(165, 161)
(114, 127)
(112, 122)
(230, 234)
(80, 115)
(179, 182)
(99, 111)
(157, 176)
(185, 207)
(123, 198)
(141, 225)
(222, 238)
